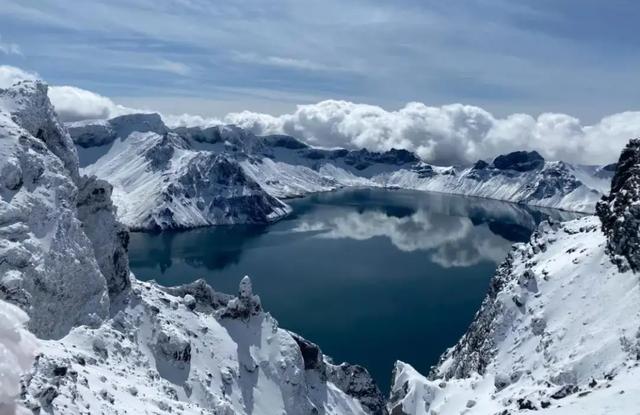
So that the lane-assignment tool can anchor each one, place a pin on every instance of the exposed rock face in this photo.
(619, 212)
(245, 305)
(91, 134)
(47, 263)
(284, 141)
(205, 298)
(519, 161)
(109, 237)
(353, 380)
(29, 106)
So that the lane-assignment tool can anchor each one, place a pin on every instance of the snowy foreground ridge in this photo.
(190, 177)
(557, 333)
(109, 344)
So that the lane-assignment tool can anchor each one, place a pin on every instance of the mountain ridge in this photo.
(284, 167)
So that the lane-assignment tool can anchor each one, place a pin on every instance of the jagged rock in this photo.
(245, 305)
(109, 238)
(38, 211)
(619, 212)
(284, 141)
(311, 354)
(206, 298)
(355, 381)
(480, 165)
(163, 183)
(519, 161)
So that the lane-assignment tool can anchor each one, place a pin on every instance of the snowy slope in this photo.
(560, 319)
(559, 330)
(555, 184)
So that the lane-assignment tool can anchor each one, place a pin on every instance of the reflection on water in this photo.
(371, 275)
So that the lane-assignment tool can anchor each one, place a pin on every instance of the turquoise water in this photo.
(370, 275)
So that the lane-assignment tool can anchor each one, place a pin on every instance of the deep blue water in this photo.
(370, 275)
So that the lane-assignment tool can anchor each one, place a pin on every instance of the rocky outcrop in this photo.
(47, 263)
(619, 212)
(354, 380)
(108, 237)
(519, 161)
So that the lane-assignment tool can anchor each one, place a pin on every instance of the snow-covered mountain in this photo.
(160, 181)
(234, 176)
(110, 344)
(559, 329)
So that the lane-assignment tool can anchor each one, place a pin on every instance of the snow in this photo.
(281, 167)
(159, 182)
(47, 263)
(517, 187)
(17, 351)
(577, 323)
(158, 354)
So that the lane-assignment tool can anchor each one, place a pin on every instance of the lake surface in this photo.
(370, 275)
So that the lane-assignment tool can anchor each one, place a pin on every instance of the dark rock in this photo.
(564, 391)
(480, 165)
(526, 404)
(207, 299)
(619, 212)
(356, 382)
(519, 161)
(284, 141)
(311, 353)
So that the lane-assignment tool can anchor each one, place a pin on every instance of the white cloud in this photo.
(9, 75)
(456, 133)
(73, 104)
(9, 48)
(165, 65)
(453, 240)
(189, 120)
(284, 62)
(450, 134)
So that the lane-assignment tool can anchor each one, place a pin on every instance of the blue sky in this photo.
(213, 57)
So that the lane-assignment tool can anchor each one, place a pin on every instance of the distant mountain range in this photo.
(186, 177)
